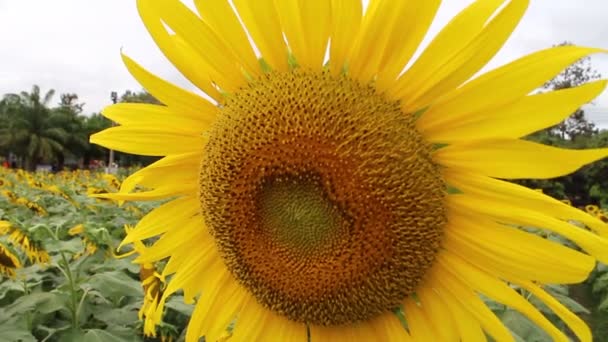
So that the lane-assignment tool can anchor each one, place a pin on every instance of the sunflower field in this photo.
(63, 278)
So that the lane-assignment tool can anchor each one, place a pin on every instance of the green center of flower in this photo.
(322, 197)
(297, 213)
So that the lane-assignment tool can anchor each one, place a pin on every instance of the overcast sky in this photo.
(74, 45)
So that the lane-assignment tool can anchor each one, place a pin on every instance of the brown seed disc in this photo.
(322, 197)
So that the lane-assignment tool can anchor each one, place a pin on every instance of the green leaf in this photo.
(72, 246)
(72, 335)
(600, 284)
(126, 315)
(43, 302)
(571, 304)
(177, 303)
(603, 304)
(14, 333)
(522, 328)
(96, 335)
(116, 284)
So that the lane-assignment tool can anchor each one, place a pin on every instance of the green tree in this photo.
(138, 97)
(68, 114)
(91, 125)
(576, 74)
(32, 130)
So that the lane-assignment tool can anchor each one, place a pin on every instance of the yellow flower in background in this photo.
(152, 283)
(592, 209)
(77, 229)
(20, 238)
(33, 206)
(112, 180)
(5, 227)
(11, 196)
(326, 197)
(152, 286)
(90, 246)
(9, 262)
(6, 183)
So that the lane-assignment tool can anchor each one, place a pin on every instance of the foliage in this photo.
(31, 128)
(33, 132)
(79, 291)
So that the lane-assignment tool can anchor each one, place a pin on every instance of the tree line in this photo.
(35, 132)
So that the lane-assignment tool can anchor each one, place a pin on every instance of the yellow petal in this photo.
(511, 214)
(203, 244)
(176, 98)
(156, 194)
(192, 275)
(385, 327)
(191, 229)
(510, 250)
(222, 19)
(497, 290)
(493, 190)
(217, 307)
(193, 66)
(389, 36)
(257, 323)
(509, 82)
(172, 170)
(161, 219)
(417, 323)
(451, 286)
(306, 24)
(346, 20)
(210, 80)
(577, 325)
(522, 117)
(149, 140)
(203, 264)
(251, 322)
(468, 326)
(390, 329)
(461, 49)
(262, 22)
(404, 38)
(435, 310)
(515, 159)
(453, 38)
(135, 114)
(203, 40)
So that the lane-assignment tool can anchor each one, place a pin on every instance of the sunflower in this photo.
(319, 189)
(21, 238)
(9, 261)
(76, 230)
(152, 283)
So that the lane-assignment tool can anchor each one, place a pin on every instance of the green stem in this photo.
(84, 296)
(28, 317)
(67, 271)
(73, 290)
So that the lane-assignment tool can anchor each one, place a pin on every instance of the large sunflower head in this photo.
(318, 188)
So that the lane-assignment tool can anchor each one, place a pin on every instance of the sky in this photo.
(74, 45)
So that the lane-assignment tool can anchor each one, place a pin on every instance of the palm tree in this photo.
(32, 130)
